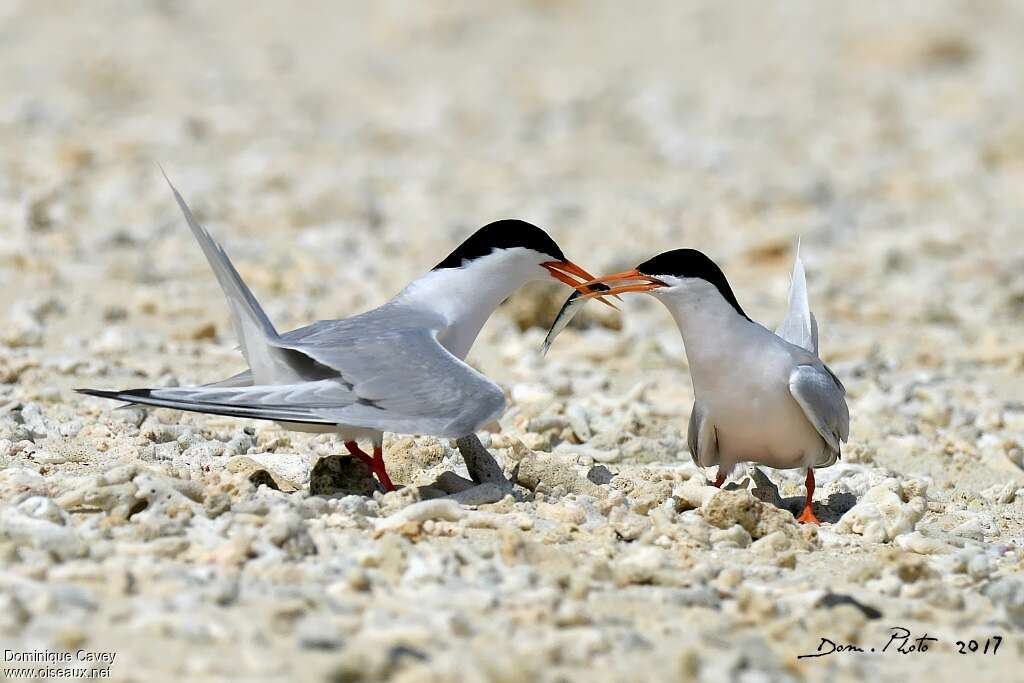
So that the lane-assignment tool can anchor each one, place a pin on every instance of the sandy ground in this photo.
(340, 151)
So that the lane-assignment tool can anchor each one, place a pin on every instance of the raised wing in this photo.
(823, 401)
(252, 326)
(799, 327)
(242, 379)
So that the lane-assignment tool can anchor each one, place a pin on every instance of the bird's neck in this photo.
(713, 332)
(465, 297)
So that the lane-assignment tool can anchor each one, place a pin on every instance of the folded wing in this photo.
(823, 401)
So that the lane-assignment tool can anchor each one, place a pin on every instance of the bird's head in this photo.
(519, 249)
(680, 275)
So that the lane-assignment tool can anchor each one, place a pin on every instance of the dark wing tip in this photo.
(94, 392)
(116, 395)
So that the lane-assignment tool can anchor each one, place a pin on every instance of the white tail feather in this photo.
(799, 327)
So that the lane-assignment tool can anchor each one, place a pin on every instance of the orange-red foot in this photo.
(375, 462)
(808, 516)
(719, 480)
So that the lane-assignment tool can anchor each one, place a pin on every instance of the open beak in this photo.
(646, 284)
(563, 271)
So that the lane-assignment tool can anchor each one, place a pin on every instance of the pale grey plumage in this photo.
(733, 359)
(821, 398)
(799, 327)
(818, 391)
(701, 437)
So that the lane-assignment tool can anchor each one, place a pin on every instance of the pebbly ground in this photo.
(339, 151)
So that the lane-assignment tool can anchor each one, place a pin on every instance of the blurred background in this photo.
(340, 149)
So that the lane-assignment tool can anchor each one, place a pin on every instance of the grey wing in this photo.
(702, 437)
(402, 378)
(404, 382)
(306, 402)
(242, 379)
(823, 401)
(252, 326)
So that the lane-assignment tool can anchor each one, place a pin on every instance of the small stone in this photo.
(694, 493)
(726, 508)
(261, 477)
(735, 536)
(1008, 593)
(567, 513)
(728, 579)
(217, 504)
(755, 604)
(207, 330)
(771, 544)
(882, 515)
(628, 525)
(319, 633)
(341, 475)
(979, 567)
(970, 529)
(833, 600)
(913, 568)
(43, 508)
(571, 613)
(600, 475)
(923, 545)
(440, 508)
(579, 422)
(535, 470)
(638, 565)
(481, 494)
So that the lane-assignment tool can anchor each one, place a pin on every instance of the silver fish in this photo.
(569, 309)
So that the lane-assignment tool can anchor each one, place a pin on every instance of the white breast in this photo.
(746, 393)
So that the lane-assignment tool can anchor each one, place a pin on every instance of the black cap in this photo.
(690, 263)
(506, 234)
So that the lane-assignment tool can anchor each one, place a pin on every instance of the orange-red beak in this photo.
(647, 284)
(563, 271)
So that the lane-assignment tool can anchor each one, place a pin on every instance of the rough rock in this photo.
(882, 514)
(341, 475)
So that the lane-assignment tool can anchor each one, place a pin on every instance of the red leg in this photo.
(807, 516)
(380, 470)
(355, 450)
(375, 462)
(720, 479)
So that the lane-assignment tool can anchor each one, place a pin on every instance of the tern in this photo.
(397, 368)
(759, 396)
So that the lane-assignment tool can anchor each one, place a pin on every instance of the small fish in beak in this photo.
(646, 284)
(565, 315)
(563, 272)
(597, 287)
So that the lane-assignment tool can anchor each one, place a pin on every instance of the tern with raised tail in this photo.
(759, 396)
(397, 368)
